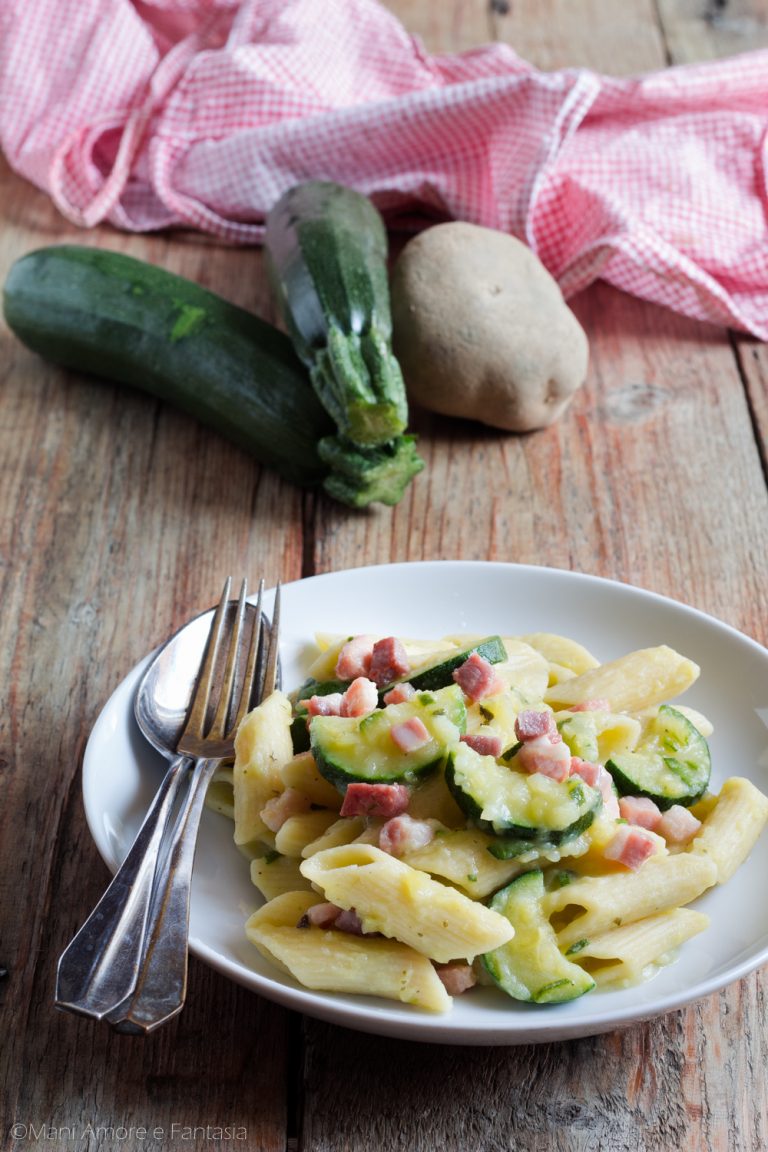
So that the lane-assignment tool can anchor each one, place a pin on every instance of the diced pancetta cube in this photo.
(329, 705)
(631, 846)
(400, 693)
(484, 743)
(529, 724)
(349, 921)
(640, 810)
(361, 799)
(606, 789)
(403, 834)
(389, 661)
(354, 659)
(280, 808)
(322, 915)
(599, 704)
(589, 772)
(360, 698)
(477, 678)
(410, 734)
(677, 825)
(457, 976)
(539, 754)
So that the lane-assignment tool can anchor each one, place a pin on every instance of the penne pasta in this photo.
(297, 831)
(402, 902)
(331, 961)
(627, 955)
(638, 680)
(301, 773)
(342, 831)
(274, 875)
(220, 796)
(593, 905)
(462, 857)
(562, 652)
(730, 831)
(263, 746)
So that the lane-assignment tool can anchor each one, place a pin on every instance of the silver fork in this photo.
(128, 963)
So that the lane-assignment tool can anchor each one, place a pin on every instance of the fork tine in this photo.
(270, 674)
(249, 679)
(219, 724)
(195, 722)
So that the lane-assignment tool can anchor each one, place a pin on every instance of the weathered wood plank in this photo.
(597, 34)
(119, 518)
(707, 30)
(446, 27)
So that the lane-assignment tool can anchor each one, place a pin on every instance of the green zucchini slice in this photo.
(671, 766)
(524, 810)
(440, 674)
(351, 749)
(530, 966)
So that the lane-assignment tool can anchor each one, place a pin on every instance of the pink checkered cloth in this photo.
(200, 113)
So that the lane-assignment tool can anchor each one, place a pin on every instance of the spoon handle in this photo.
(162, 980)
(99, 969)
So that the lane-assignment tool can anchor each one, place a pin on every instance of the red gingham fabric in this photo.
(200, 113)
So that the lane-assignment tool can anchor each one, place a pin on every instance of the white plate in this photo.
(120, 773)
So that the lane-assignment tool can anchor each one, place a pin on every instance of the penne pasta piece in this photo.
(562, 652)
(402, 902)
(274, 875)
(525, 670)
(462, 857)
(431, 799)
(298, 831)
(263, 747)
(728, 834)
(592, 905)
(330, 961)
(633, 682)
(301, 773)
(342, 831)
(627, 955)
(220, 796)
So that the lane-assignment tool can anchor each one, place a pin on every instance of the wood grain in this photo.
(118, 517)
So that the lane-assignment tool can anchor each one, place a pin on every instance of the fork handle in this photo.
(162, 979)
(98, 971)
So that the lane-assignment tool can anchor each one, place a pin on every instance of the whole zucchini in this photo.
(124, 320)
(327, 250)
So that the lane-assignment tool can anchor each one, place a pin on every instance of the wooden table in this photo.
(118, 518)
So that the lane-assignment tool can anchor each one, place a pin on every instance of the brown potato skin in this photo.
(481, 329)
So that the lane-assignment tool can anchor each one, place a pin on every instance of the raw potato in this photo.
(482, 331)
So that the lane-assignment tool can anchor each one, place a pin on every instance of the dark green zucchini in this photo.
(124, 320)
(440, 673)
(671, 766)
(327, 251)
(525, 811)
(530, 966)
(348, 749)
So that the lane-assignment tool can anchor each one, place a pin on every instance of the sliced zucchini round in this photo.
(440, 674)
(530, 966)
(524, 810)
(671, 766)
(361, 749)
